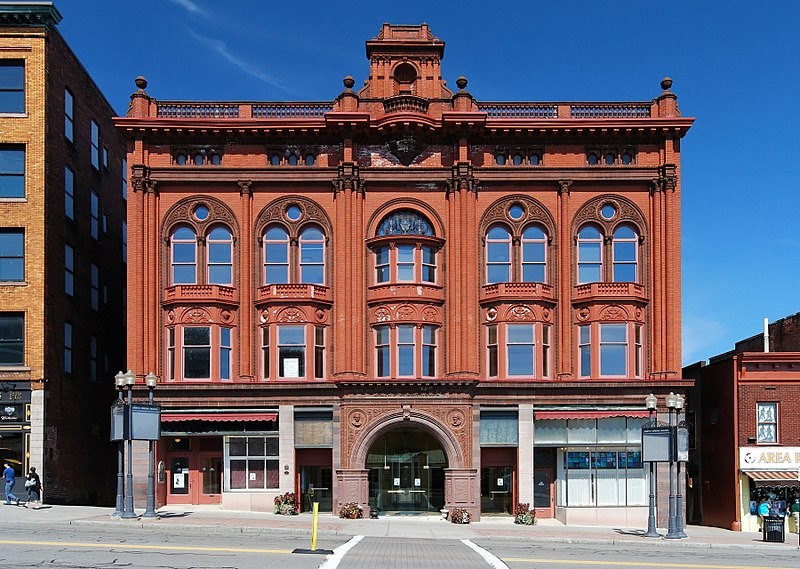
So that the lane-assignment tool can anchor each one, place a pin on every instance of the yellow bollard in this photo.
(314, 527)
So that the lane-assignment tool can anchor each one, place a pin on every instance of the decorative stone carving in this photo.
(520, 312)
(613, 312)
(406, 312)
(430, 314)
(491, 314)
(382, 314)
(628, 212)
(291, 314)
(276, 211)
(583, 314)
(264, 316)
(197, 316)
(181, 212)
(535, 212)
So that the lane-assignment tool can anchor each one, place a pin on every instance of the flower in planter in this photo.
(459, 516)
(286, 504)
(524, 515)
(351, 511)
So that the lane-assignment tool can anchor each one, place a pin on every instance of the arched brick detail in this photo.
(405, 203)
(535, 212)
(311, 214)
(627, 213)
(403, 417)
(181, 214)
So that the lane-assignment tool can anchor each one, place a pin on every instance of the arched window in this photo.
(276, 255)
(183, 253)
(405, 249)
(590, 255)
(312, 256)
(626, 254)
(498, 255)
(534, 255)
(220, 256)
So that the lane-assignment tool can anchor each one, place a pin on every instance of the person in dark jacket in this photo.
(33, 484)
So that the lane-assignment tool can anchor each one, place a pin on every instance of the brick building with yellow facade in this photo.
(62, 232)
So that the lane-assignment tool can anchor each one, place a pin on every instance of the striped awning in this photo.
(776, 478)
(587, 414)
(236, 416)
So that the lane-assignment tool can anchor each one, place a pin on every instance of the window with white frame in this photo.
(518, 255)
(312, 256)
(197, 352)
(225, 351)
(405, 350)
(610, 350)
(590, 255)
(95, 142)
(69, 115)
(625, 250)
(518, 350)
(498, 255)
(220, 256)
(183, 253)
(293, 351)
(319, 352)
(294, 251)
(405, 249)
(252, 462)
(766, 423)
(276, 255)
(612, 260)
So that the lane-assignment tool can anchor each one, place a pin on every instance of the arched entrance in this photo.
(406, 472)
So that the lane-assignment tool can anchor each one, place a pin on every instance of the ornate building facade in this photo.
(405, 297)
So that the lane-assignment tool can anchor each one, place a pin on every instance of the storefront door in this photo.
(543, 492)
(195, 472)
(497, 490)
(210, 473)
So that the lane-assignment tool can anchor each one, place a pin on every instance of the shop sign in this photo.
(769, 458)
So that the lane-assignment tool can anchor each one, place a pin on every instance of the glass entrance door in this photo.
(210, 478)
(316, 482)
(406, 473)
(543, 492)
(497, 489)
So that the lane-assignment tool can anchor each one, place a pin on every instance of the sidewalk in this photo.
(214, 520)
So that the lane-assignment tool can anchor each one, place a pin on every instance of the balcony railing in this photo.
(290, 110)
(516, 291)
(589, 291)
(198, 110)
(405, 104)
(412, 292)
(200, 293)
(610, 111)
(519, 110)
(294, 292)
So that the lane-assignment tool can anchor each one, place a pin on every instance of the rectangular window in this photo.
(428, 264)
(93, 358)
(492, 349)
(319, 352)
(428, 351)
(312, 257)
(225, 349)
(95, 151)
(405, 263)
(69, 270)
(767, 423)
(265, 353)
(252, 462)
(171, 353)
(105, 158)
(292, 351)
(12, 255)
(499, 428)
(12, 170)
(382, 365)
(639, 352)
(613, 349)
(94, 227)
(545, 351)
(67, 347)
(104, 223)
(12, 86)
(124, 241)
(124, 179)
(585, 350)
(69, 192)
(69, 115)
(405, 350)
(94, 294)
(12, 333)
(520, 346)
(382, 264)
(197, 352)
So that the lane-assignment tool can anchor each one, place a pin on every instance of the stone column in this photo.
(566, 246)
(247, 284)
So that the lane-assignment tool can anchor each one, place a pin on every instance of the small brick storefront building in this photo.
(404, 297)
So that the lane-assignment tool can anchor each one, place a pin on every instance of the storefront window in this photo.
(252, 462)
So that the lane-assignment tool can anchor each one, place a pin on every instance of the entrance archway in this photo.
(406, 471)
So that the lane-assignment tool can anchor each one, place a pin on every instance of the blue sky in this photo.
(734, 66)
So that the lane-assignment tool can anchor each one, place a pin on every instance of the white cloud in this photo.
(191, 7)
(222, 49)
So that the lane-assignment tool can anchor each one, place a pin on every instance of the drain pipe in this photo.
(766, 335)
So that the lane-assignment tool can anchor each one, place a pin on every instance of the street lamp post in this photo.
(128, 511)
(672, 532)
(151, 379)
(679, 526)
(652, 402)
(119, 380)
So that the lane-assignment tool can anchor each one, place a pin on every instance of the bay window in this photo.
(199, 353)
(405, 262)
(595, 254)
(518, 255)
(610, 350)
(405, 350)
(518, 350)
(294, 260)
(293, 351)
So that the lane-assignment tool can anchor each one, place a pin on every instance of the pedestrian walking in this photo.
(33, 484)
(10, 478)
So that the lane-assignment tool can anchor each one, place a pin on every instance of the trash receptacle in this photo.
(772, 527)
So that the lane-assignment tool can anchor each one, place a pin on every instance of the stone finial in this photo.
(141, 82)
(666, 83)
(461, 82)
(348, 82)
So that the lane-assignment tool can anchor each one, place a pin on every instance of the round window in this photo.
(608, 211)
(293, 212)
(201, 213)
(516, 211)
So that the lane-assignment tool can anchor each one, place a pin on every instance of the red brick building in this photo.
(405, 297)
(748, 433)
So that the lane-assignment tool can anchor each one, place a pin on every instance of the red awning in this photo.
(776, 478)
(173, 417)
(605, 414)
